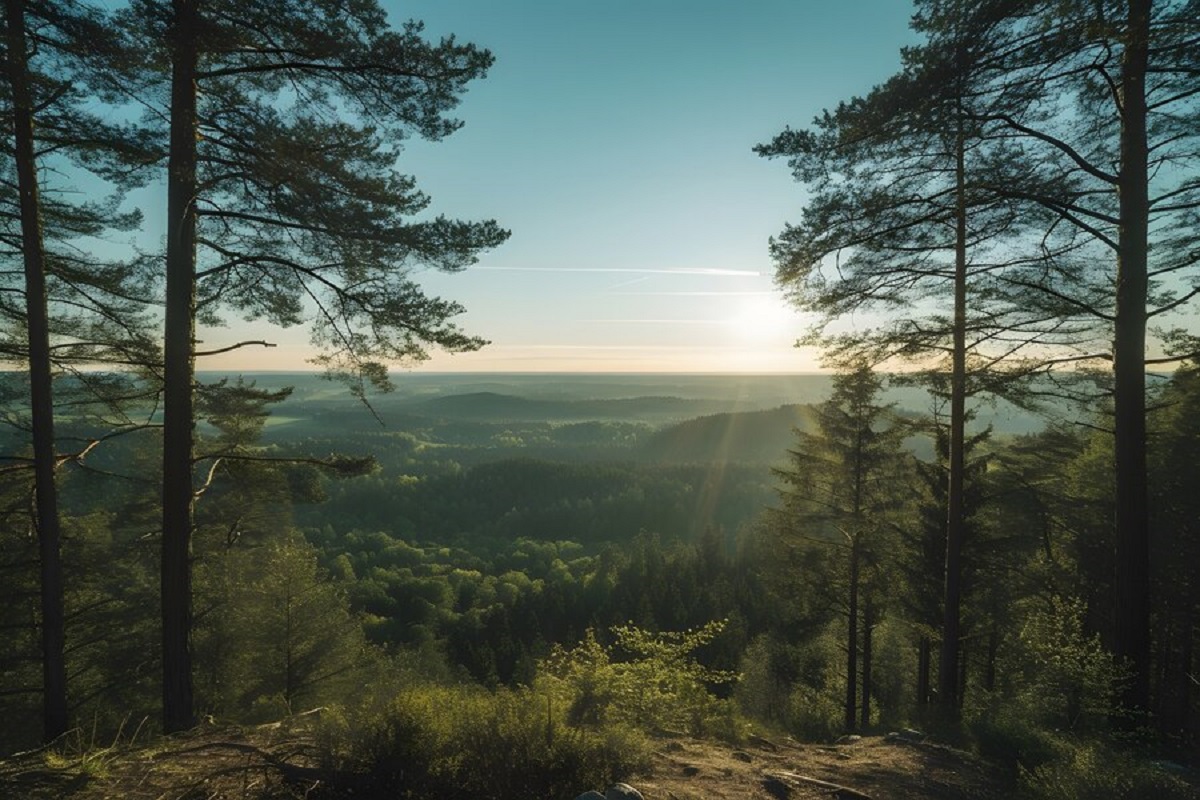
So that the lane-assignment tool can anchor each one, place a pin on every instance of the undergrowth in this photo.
(465, 741)
(84, 753)
(1095, 771)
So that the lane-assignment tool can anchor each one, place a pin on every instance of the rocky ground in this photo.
(881, 768)
(278, 763)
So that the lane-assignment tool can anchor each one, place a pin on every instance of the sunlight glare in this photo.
(763, 319)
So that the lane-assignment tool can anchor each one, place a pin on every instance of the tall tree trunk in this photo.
(868, 626)
(923, 657)
(1185, 674)
(851, 706)
(962, 674)
(41, 393)
(1132, 642)
(179, 374)
(948, 690)
(993, 648)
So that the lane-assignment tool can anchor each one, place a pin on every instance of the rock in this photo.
(849, 738)
(742, 755)
(776, 788)
(622, 791)
(590, 795)
(1173, 767)
(906, 735)
(765, 744)
(690, 770)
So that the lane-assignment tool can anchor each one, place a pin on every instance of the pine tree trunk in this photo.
(948, 690)
(851, 706)
(1132, 642)
(989, 676)
(1185, 674)
(1160, 685)
(923, 658)
(962, 674)
(179, 374)
(41, 393)
(868, 625)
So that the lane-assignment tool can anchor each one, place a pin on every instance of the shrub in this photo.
(466, 741)
(813, 715)
(1070, 679)
(1012, 741)
(1090, 771)
(657, 685)
(760, 693)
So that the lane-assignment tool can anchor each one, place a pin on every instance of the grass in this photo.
(468, 742)
(81, 751)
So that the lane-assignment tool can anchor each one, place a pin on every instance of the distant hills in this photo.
(496, 407)
(759, 437)
(699, 418)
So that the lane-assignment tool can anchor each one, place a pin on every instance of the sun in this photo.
(765, 318)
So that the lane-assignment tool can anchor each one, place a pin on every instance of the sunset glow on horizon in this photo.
(618, 151)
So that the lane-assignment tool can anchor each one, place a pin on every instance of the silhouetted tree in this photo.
(901, 220)
(1103, 98)
(284, 204)
(71, 309)
(837, 489)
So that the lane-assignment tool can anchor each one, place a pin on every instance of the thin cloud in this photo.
(632, 282)
(615, 347)
(658, 321)
(697, 294)
(632, 270)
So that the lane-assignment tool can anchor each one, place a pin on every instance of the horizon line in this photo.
(410, 371)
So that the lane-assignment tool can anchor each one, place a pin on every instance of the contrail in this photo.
(633, 270)
(658, 321)
(632, 282)
(696, 294)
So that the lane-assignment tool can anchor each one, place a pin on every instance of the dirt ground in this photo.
(278, 763)
(873, 767)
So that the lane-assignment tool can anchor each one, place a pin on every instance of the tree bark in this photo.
(851, 705)
(923, 657)
(41, 392)
(868, 625)
(1132, 640)
(993, 648)
(948, 689)
(179, 374)
(962, 674)
(1185, 674)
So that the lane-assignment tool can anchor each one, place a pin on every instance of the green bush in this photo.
(760, 694)
(1090, 771)
(813, 715)
(465, 741)
(1012, 741)
(647, 680)
(1069, 679)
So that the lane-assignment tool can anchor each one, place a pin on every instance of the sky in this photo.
(614, 139)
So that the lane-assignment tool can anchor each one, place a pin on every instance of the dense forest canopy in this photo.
(980, 523)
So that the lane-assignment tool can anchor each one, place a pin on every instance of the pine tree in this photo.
(1104, 100)
(836, 492)
(75, 310)
(902, 220)
(284, 204)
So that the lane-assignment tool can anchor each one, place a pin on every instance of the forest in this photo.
(977, 524)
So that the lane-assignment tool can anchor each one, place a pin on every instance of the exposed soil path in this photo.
(277, 763)
(873, 767)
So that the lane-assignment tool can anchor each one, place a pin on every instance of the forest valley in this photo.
(797, 594)
(510, 593)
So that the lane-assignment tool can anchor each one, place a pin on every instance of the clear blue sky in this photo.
(613, 138)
